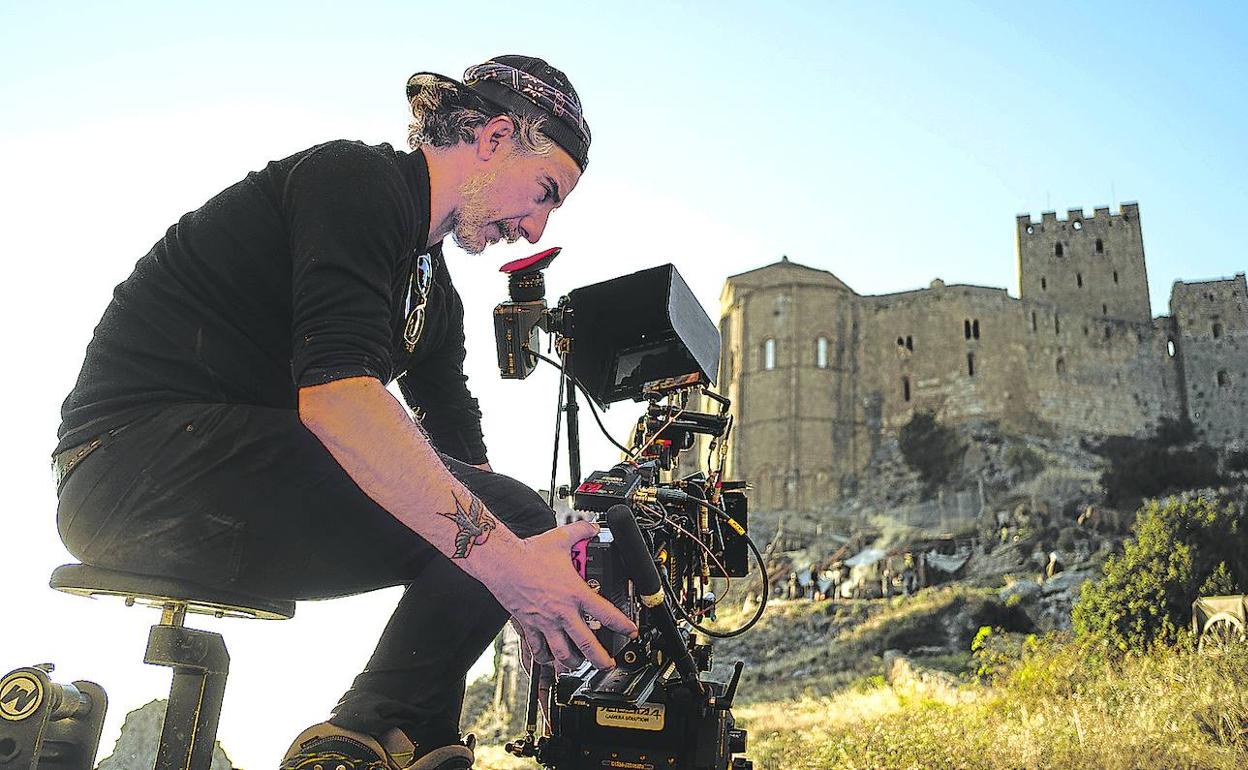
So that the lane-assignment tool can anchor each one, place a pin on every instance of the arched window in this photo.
(769, 354)
(821, 352)
(966, 328)
(909, 343)
(1057, 250)
(1100, 246)
(1061, 366)
(1170, 349)
(975, 328)
(1217, 330)
(905, 388)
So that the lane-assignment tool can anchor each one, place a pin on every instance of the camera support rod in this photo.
(645, 576)
(574, 428)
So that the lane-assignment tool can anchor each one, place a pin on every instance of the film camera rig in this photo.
(663, 539)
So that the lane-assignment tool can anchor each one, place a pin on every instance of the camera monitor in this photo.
(637, 329)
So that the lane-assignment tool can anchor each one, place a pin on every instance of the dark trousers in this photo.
(246, 498)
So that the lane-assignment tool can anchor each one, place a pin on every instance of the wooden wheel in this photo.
(1220, 631)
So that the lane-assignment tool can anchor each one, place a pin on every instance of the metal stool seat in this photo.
(198, 658)
(85, 580)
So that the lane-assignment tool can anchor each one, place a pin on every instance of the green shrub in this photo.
(1145, 594)
(930, 448)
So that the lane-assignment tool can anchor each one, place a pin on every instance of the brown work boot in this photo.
(330, 747)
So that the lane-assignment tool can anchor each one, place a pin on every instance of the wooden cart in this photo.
(1220, 620)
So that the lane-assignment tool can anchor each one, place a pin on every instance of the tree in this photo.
(930, 448)
(1184, 546)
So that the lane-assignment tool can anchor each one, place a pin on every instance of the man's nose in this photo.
(533, 226)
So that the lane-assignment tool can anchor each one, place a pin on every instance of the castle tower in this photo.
(789, 364)
(1211, 318)
(1086, 266)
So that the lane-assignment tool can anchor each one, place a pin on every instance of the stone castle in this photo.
(819, 375)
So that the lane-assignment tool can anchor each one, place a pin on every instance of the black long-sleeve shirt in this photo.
(300, 274)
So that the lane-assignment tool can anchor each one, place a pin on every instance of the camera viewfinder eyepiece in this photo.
(516, 321)
(525, 282)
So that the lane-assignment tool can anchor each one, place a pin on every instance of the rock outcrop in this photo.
(140, 735)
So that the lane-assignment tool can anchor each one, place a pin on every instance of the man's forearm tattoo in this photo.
(474, 526)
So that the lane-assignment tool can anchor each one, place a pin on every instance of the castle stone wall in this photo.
(819, 375)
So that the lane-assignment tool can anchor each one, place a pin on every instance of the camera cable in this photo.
(588, 399)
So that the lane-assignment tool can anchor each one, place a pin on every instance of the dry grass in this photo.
(816, 700)
(1171, 709)
(495, 758)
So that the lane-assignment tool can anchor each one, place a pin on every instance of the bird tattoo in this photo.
(474, 526)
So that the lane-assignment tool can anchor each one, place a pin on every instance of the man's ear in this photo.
(495, 134)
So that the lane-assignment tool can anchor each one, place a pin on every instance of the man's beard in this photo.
(475, 220)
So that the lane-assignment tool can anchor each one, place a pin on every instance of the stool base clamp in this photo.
(200, 665)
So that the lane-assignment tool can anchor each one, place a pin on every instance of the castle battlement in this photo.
(1129, 210)
(1238, 278)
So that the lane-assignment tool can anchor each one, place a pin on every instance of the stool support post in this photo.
(200, 666)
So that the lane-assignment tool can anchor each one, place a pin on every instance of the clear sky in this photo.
(890, 143)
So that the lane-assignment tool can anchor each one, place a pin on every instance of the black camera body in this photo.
(668, 729)
(648, 713)
(662, 540)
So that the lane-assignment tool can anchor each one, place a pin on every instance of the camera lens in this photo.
(526, 287)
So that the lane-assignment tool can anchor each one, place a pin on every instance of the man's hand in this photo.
(548, 600)
(384, 452)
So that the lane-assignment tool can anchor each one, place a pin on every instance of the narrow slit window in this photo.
(1057, 325)
(1115, 276)
(821, 352)
(909, 343)
(970, 364)
(1061, 366)
(1033, 321)
(1104, 309)
(1217, 330)
(1044, 283)
(769, 354)
(905, 388)
(1057, 250)
(1170, 349)
(966, 328)
(975, 328)
(1079, 279)
(1100, 246)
